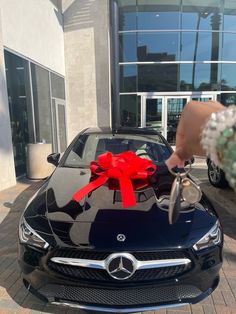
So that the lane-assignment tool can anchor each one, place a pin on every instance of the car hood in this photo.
(96, 221)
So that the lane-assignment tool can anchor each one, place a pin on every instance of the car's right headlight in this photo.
(29, 236)
(211, 238)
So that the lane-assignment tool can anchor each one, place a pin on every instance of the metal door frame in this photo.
(62, 102)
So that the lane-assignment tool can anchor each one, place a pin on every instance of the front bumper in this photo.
(191, 287)
(122, 300)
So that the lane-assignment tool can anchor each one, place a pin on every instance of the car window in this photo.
(89, 146)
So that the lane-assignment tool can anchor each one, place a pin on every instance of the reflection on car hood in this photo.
(96, 220)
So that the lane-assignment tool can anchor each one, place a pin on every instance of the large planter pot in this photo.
(37, 165)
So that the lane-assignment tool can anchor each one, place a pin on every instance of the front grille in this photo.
(101, 275)
(121, 297)
(144, 275)
(147, 256)
(80, 254)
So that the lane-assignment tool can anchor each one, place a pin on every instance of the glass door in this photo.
(20, 133)
(20, 108)
(153, 113)
(162, 113)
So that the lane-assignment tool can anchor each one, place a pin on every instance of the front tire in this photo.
(216, 176)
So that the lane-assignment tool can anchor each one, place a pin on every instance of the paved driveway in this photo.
(14, 298)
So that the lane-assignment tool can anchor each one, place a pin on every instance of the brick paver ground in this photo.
(14, 298)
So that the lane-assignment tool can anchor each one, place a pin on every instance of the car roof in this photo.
(122, 130)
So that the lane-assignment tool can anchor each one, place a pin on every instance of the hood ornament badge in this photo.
(121, 237)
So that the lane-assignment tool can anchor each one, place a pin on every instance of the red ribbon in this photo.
(123, 167)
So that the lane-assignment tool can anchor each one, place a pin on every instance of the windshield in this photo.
(89, 146)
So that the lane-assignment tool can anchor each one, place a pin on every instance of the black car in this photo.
(97, 255)
(216, 175)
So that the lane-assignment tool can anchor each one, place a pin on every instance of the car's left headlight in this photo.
(29, 236)
(211, 238)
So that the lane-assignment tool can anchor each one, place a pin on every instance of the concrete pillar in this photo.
(7, 168)
(86, 39)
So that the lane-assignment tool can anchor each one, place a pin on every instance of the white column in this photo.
(86, 38)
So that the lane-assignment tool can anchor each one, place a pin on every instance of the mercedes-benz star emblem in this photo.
(121, 266)
(121, 237)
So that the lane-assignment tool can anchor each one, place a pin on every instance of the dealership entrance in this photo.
(162, 111)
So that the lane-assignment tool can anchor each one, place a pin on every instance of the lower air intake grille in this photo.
(121, 297)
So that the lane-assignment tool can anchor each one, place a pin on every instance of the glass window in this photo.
(230, 15)
(229, 47)
(156, 15)
(202, 98)
(199, 77)
(186, 77)
(174, 109)
(158, 46)
(157, 77)
(154, 108)
(130, 110)
(58, 86)
(42, 103)
(127, 15)
(198, 46)
(128, 78)
(203, 15)
(228, 78)
(227, 99)
(20, 108)
(128, 47)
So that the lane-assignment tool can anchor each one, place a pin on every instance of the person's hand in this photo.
(188, 136)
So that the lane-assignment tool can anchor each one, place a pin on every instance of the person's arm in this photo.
(207, 129)
(188, 136)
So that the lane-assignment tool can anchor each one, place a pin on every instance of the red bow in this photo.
(123, 167)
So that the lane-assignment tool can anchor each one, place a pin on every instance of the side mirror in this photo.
(54, 159)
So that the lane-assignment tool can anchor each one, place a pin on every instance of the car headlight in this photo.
(30, 236)
(213, 237)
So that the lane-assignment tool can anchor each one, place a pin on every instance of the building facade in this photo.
(32, 80)
(170, 52)
(70, 64)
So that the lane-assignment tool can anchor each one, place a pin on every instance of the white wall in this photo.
(34, 29)
(7, 170)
